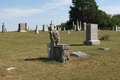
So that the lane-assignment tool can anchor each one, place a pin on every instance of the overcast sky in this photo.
(39, 12)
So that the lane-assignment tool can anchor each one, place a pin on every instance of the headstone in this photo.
(45, 27)
(73, 26)
(104, 48)
(78, 54)
(116, 27)
(68, 31)
(62, 53)
(64, 29)
(3, 28)
(36, 32)
(92, 35)
(84, 25)
(51, 26)
(21, 27)
(80, 25)
(113, 28)
(26, 28)
(59, 52)
(77, 28)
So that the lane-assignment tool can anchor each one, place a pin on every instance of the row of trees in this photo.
(87, 11)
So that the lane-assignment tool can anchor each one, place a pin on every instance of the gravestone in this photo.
(84, 26)
(21, 27)
(68, 31)
(80, 25)
(92, 35)
(3, 28)
(51, 26)
(78, 54)
(116, 27)
(113, 28)
(77, 29)
(64, 29)
(104, 48)
(45, 27)
(73, 26)
(26, 28)
(36, 31)
(59, 52)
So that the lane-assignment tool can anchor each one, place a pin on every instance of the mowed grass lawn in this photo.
(27, 52)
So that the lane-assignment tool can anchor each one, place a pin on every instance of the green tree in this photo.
(116, 20)
(84, 11)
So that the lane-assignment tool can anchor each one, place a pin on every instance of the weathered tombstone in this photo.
(21, 27)
(36, 32)
(79, 54)
(64, 29)
(104, 48)
(116, 27)
(26, 28)
(45, 27)
(84, 25)
(68, 31)
(73, 26)
(51, 26)
(3, 28)
(92, 35)
(77, 28)
(59, 52)
(80, 25)
(113, 28)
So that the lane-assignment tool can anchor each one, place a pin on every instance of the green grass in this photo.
(28, 53)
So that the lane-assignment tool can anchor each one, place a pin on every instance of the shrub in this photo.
(105, 37)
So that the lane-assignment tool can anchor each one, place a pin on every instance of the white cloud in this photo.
(102, 0)
(15, 12)
(111, 9)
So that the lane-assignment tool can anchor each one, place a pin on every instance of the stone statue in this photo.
(54, 37)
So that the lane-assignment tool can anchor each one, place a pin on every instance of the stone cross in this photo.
(51, 26)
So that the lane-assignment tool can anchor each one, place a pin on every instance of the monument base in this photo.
(91, 42)
(22, 31)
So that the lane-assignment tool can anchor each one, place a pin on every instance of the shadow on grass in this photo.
(42, 59)
(77, 45)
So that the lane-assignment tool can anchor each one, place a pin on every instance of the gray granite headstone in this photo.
(21, 27)
(37, 32)
(92, 35)
(45, 27)
(78, 54)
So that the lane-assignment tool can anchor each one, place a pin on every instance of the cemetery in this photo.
(83, 48)
(25, 56)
